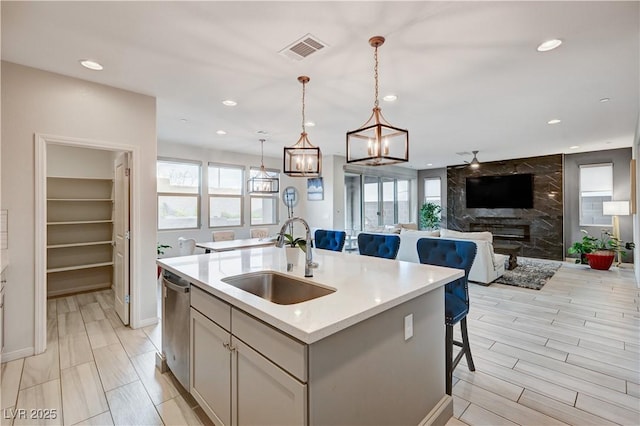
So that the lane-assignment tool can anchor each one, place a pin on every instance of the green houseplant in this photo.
(161, 248)
(582, 247)
(599, 252)
(430, 215)
(293, 244)
(296, 242)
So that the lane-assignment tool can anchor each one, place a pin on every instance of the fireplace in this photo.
(504, 231)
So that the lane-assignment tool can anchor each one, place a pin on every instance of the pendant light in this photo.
(302, 159)
(263, 182)
(377, 143)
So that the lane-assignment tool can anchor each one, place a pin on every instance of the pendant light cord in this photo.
(375, 74)
(262, 154)
(304, 84)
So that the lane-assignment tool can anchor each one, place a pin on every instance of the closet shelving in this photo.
(79, 234)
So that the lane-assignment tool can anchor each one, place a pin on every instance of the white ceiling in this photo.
(467, 74)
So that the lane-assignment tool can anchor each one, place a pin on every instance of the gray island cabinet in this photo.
(370, 353)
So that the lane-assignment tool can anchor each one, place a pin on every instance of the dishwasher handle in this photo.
(175, 287)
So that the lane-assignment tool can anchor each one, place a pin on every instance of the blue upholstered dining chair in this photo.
(378, 245)
(460, 255)
(329, 240)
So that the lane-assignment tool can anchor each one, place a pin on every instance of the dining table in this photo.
(218, 246)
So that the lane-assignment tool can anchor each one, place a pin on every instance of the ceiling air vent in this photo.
(300, 49)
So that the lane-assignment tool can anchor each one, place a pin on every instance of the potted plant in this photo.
(161, 248)
(292, 246)
(430, 215)
(583, 247)
(600, 252)
(606, 248)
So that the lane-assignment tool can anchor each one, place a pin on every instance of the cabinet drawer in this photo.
(289, 354)
(212, 307)
(265, 394)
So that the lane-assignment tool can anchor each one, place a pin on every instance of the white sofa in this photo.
(487, 266)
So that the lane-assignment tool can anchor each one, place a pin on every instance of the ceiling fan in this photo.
(474, 163)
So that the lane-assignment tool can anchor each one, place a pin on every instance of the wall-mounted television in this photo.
(500, 192)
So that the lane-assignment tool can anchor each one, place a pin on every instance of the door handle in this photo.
(175, 287)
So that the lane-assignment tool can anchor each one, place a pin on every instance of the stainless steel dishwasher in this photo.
(175, 325)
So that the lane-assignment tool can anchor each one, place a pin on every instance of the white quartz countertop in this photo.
(365, 286)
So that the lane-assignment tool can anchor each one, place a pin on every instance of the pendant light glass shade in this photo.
(377, 143)
(263, 182)
(302, 159)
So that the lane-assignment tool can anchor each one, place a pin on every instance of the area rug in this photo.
(530, 273)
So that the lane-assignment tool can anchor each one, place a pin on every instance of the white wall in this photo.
(636, 217)
(36, 101)
(204, 155)
(320, 212)
(79, 162)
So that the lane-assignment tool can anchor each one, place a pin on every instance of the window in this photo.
(432, 191)
(225, 195)
(353, 202)
(178, 194)
(264, 208)
(403, 198)
(386, 201)
(596, 186)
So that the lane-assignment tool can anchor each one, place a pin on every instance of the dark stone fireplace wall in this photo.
(538, 231)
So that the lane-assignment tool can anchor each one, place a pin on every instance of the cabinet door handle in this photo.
(226, 345)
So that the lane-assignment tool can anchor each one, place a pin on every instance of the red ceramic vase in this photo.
(601, 260)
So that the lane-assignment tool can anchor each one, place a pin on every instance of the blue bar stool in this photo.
(378, 245)
(460, 255)
(329, 240)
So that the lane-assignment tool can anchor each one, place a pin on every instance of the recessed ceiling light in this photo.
(549, 45)
(429, 164)
(605, 100)
(221, 132)
(92, 65)
(574, 147)
(310, 124)
(554, 121)
(390, 98)
(229, 102)
(183, 120)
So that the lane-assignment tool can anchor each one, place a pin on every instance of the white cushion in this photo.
(434, 233)
(486, 267)
(413, 226)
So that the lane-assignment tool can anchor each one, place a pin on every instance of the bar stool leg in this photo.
(465, 344)
(449, 358)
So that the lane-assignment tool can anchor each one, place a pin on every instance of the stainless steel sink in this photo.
(277, 288)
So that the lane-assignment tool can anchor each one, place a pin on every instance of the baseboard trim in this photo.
(20, 353)
(440, 414)
(148, 322)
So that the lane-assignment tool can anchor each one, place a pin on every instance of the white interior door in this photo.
(121, 236)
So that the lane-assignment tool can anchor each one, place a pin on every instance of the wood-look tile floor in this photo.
(95, 371)
(566, 354)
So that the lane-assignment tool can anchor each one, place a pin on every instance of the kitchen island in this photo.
(370, 352)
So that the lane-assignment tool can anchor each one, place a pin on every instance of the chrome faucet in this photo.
(308, 264)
